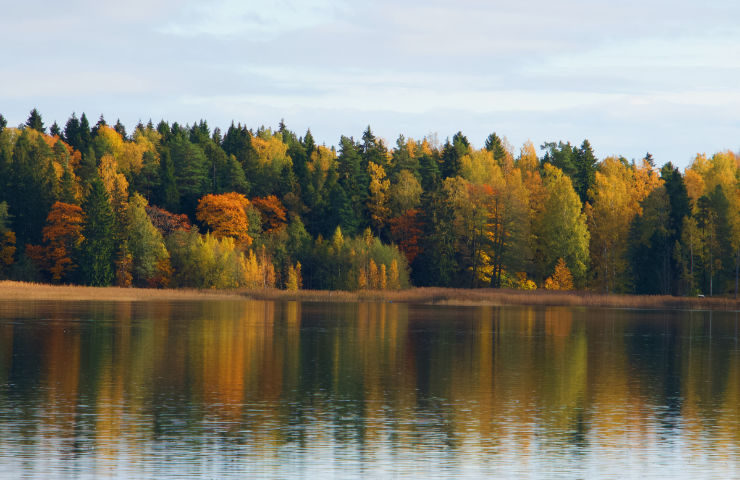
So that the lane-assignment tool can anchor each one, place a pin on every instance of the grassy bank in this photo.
(437, 296)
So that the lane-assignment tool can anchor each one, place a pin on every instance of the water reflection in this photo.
(227, 389)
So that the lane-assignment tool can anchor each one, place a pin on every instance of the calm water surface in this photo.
(282, 390)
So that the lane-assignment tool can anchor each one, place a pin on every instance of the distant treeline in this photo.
(173, 205)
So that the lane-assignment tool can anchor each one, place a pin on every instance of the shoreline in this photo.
(10, 290)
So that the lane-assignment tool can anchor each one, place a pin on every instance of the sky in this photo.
(630, 76)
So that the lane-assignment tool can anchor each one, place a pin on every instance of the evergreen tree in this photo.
(191, 171)
(431, 177)
(71, 134)
(169, 194)
(372, 150)
(560, 155)
(121, 129)
(341, 208)
(354, 181)
(308, 143)
(55, 130)
(649, 246)
(31, 186)
(34, 121)
(88, 168)
(436, 264)
(495, 145)
(585, 169)
(680, 207)
(98, 248)
(452, 154)
(3, 123)
(101, 123)
(85, 135)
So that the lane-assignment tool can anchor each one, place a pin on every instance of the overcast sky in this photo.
(631, 76)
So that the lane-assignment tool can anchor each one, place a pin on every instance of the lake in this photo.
(235, 389)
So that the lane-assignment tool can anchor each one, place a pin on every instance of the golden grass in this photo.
(459, 296)
(436, 296)
(36, 291)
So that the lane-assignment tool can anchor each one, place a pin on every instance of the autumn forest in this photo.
(169, 205)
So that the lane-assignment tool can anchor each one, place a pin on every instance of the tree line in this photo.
(187, 206)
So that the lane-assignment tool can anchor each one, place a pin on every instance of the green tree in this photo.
(585, 169)
(353, 178)
(97, 252)
(31, 186)
(680, 208)
(34, 121)
(452, 154)
(495, 145)
(191, 171)
(562, 232)
(561, 156)
(145, 243)
(650, 246)
(169, 194)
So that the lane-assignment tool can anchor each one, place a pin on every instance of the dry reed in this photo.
(459, 296)
(36, 291)
(429, 295)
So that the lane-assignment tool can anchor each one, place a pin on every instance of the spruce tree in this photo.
(85, 134)
(495, 145)
(71, 134)
(55, 130)
(585, 169)
(34, 121)
(169, 195)
(99, 246)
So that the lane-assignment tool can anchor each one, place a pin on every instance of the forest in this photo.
(174, 206)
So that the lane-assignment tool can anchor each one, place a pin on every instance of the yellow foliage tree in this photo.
(379, 192)
(362, 279)
(393, 276)
(294, 281)
(615, 199)
(374, 280)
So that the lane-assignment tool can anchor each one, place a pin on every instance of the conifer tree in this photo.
(98, 248)
(34, 121)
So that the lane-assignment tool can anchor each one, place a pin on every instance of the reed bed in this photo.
(460, 296)
(10, 290)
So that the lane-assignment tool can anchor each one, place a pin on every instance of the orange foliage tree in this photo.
(167, 222)
(226, 216)
(62, 236)
(272, 212)
(406, 232)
